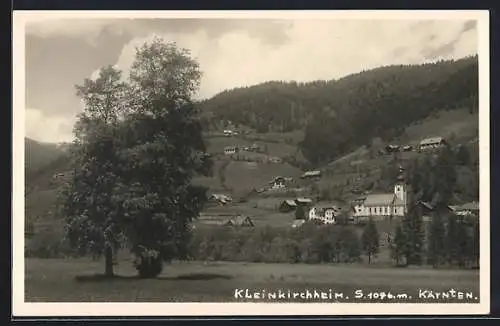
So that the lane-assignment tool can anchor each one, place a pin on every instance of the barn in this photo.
(239, 221)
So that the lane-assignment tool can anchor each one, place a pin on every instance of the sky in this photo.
(60, 53)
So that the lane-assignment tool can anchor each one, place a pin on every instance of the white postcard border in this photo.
(22, 308)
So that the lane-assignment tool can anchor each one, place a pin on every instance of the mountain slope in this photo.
(38, 154)
(338, 116)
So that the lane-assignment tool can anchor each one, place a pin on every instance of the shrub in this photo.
(149, 264)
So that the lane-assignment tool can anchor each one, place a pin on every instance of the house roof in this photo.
(382, 200)
(431, 140)
(473, 206)
(290, 202)
(239, 220)
(426, 205)
(312, 173)
(359, 200)
(326, 206)
(303, 200)
(220, 196)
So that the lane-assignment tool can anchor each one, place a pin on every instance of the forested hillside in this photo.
(340, 115)
(38, 154)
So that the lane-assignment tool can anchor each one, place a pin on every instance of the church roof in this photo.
(382, 200)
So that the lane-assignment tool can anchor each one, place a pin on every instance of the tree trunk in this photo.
(369, 258)
(108, 257)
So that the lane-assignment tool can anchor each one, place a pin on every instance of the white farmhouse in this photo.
(230, 150)
(325, 212)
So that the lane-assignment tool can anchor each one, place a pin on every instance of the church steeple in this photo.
(401, 175)
(400, 188)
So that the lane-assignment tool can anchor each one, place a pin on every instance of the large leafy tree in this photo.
(162, 149)
(139, 143)
(87, 200)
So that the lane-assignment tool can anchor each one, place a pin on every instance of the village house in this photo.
(287, 205)
(254, 148)
(229, 132)
(311, 175)
(230, 150)
(357, 205)
(278, 183)
(407, 148)
(277, 186)
(468, 209)
(326, 213)
(428, 210)
(432, 143)
(275, 160)
(220, 199)
(303, 201)
(426, 207)
(384, 205)
(392, 148)
(239, 221)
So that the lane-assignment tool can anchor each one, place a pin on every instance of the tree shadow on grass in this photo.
(182, 277)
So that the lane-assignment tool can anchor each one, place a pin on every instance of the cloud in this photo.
(48, 128)
(91, 29)
(65, 27)
(454, 41)
(316, 49)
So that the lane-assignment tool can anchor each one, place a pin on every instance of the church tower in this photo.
(401, 189)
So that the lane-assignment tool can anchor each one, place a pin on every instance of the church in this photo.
(384, 205)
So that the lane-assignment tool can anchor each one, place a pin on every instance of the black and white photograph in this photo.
(251, 162)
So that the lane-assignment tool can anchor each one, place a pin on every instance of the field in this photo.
(459, 125)
(57, 280)
(244, 176)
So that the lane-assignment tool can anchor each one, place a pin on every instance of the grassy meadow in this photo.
(60, 280)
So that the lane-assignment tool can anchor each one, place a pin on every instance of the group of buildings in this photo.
(374, 205)
(378, 205)
(431, 143)
(231, 150)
